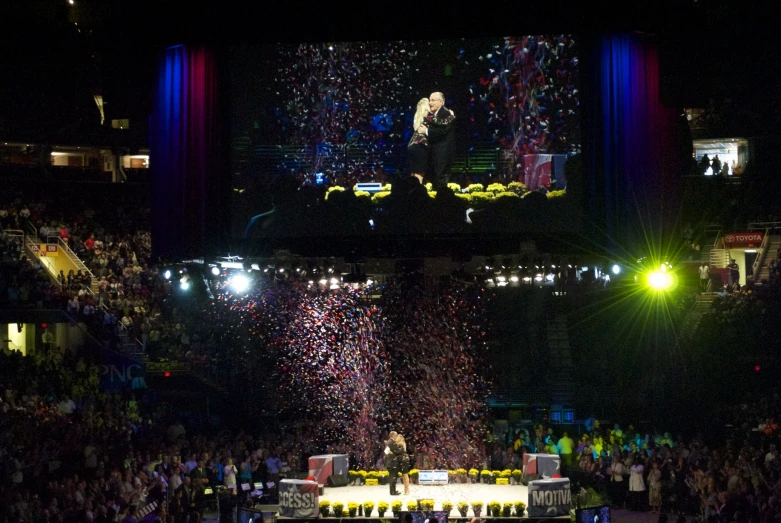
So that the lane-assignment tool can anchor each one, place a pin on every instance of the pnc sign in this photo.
(744, 238)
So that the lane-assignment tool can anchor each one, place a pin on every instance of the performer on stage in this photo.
(403, 462)
(439, 131)
(392, 451)
(417, 149)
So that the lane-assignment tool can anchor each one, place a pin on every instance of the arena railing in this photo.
(757, 267)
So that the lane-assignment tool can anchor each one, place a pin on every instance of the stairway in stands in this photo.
(701, 306)
(772, 249)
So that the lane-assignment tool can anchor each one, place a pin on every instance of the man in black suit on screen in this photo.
(438, 127)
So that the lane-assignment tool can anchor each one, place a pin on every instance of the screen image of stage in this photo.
(309, 121)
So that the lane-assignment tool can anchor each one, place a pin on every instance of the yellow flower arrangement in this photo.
(412, 505)
(507, 509)
(482, 196)
(433, 194)
(461, 472)
(556, 194)
(477, 505)
(506, 473)
(338, 507)
(486, 473)
(362, 194)
(520, 507)
(382, 507)
(516, 186)
(494, 507)
(368, 506)
(383, 474)
(475, 187)
(332, 189)
(429, 186)
(454, 187)
(462, 506)
(386, 187)
(473, 472)
(396, 506)
(362, 474)
(496, 187)
(452, 473)
(516, 473)
(447, 506)
(379, 195)
(372, 474)
(413, 473)
(427, 504)
(325, 508)
(496, 473)
(464, 196)
(352, 508)
(506, 194)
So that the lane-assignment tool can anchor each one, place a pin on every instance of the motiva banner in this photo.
(298, 498)
(546, 170)
(744, 238)
(549, 497)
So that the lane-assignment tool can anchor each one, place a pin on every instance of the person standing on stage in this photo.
(392, 451)
(438, 128)
(403, 462)
(417, 149)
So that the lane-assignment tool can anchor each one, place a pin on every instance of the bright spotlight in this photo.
(216, 271)
(167, 274)
(240, 283)
(184, 285)
(660, 280)
(514, 279)
(616, 269)
(323, 282)
(334, 281)
(370, 282)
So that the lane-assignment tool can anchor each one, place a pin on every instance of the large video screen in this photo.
(326, 137)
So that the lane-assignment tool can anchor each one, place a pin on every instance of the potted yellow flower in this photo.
(396, 508)
(413, 476)
(372, 474)
(477, 508)
(516, 476)
(352, 509)
(382, 508)
(338, 507)
(427, 504)
(485, 476)
(494, 507)
(473, 473)
(362, 477)
(461, 475)
(325, 508)
(412, 505)
(447, 506)
(507, 510)
(368, 507)
(520, 508)
(463, 507)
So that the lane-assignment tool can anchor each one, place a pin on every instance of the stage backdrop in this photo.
(188, 179)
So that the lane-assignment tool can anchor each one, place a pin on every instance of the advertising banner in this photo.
(298, 498)
(549, 498)
(752, 239)
(545, 465)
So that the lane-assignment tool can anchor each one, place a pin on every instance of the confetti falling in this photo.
(410, 362)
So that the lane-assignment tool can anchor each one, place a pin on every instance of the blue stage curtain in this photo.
(185, 153)
(631, 141)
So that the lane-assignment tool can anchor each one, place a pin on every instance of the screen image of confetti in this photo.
(357, 368)
(343, 110)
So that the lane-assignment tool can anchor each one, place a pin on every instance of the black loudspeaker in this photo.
(337, 481)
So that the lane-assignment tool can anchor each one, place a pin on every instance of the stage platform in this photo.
(453, 492)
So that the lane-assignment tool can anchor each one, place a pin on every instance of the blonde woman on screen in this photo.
(417, 148)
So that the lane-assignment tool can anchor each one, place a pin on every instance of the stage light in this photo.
(323, 282)
(184, 285)
(240, 283)
(549, 277)
(216, 271)
(501, 278)
(369, 282)
(757, 368)
(538, 277)
(616, 269)
(167, 374)
(167, 274)
(527, 279)
(659, 280)
(514, 279)
(334, 281)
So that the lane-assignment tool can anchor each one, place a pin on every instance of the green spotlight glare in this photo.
(660, 280)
